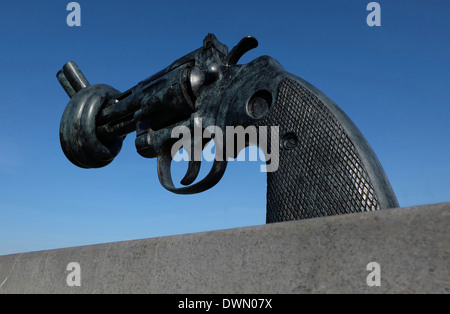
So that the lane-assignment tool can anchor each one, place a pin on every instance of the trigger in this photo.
(165, 178)
(191, 173)
(194, 166)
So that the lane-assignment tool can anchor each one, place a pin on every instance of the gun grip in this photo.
(326, 167)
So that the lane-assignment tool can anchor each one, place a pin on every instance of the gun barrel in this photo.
(117, 118)
(74, 75)
(65, 84)
(151, 104)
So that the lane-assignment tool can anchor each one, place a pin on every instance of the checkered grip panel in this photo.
(320, 173)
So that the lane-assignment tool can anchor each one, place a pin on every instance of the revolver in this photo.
(324, 165)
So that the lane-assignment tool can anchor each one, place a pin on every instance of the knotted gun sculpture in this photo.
(324, 166)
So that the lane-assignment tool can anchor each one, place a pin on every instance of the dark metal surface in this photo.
(320, 173)
(326, 167)
(246, 44)
(78, 130)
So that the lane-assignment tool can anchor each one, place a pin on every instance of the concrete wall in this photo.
(325, 255)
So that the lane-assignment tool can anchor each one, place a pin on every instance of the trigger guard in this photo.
(165, 177)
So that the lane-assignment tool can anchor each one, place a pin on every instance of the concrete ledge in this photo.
(324, 255)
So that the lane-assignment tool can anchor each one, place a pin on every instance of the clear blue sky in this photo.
(393, 82)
